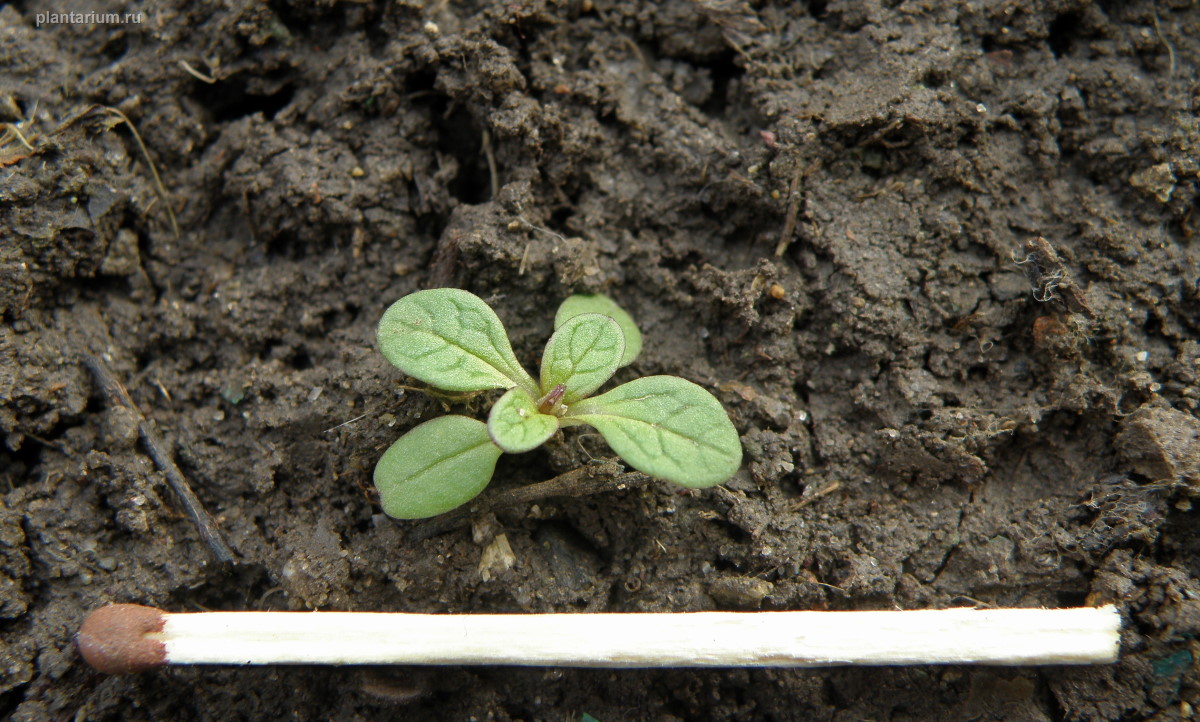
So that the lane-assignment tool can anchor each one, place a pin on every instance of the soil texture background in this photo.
(937, 259)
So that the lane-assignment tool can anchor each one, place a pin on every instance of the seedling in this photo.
(450, 339)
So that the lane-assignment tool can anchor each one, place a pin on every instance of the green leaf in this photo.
(598, 303)
(516, 425)
(582, 354)
(450, 339)
(666, 427)
(438, 466)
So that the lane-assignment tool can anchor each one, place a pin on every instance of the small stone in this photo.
(739, 592)
(122, 258)
(1161, 443)
(496, 558)
(120, 428)
(484, 528)
(1157, 180)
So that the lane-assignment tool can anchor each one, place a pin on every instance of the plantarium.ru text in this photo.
(450, 339)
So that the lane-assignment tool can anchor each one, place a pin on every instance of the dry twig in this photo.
(584, 481)
(117, 395)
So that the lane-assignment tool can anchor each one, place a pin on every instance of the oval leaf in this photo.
(517, 426)
(666, 427)
(582, 354)
(450, 339)
(598, 303)
(438, 466)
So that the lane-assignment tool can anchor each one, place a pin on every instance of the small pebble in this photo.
(120, 428)
(740, 592)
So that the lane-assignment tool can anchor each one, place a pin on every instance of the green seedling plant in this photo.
(450, 339)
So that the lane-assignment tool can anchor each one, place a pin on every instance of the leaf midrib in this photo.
(445, 459)
(659, 427)
(449, 341)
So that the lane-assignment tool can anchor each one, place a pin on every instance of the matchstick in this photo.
(124, 638)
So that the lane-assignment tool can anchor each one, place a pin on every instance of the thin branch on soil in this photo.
(817, 495)
(16, 133)
(159, 189)
(515, 225)
(486, 142)
(880, 135)
(1163, 39)
(347, 423)
(196, 73)
(13, 130)
(158, 184)
(524, 258)
(117, 395)
(539, 229)
(793, 209)
(584, 481)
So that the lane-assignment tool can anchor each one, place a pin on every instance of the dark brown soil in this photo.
(823, 212)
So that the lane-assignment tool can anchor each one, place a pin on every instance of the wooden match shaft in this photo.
(127, 638)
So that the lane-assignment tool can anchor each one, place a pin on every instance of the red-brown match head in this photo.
(113, 639)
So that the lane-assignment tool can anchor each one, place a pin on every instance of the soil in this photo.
(937, 259)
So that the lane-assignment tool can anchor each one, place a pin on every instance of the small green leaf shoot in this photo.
(451, 339)
(582, 354)
(437, 466)
(516, 425)
(599, 303)
(666, 427)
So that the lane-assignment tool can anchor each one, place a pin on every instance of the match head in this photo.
(113, 639)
